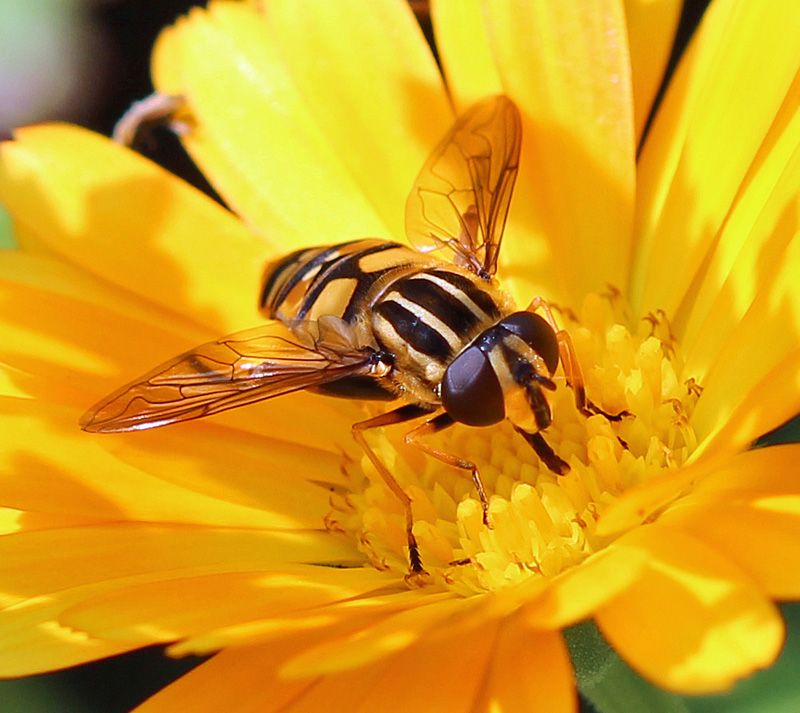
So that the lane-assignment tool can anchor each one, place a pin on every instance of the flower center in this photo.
(540, 523)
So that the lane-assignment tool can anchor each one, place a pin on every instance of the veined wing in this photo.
(239, 369)
(461, 197)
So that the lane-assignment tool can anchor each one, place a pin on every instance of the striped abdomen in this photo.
(337, 279)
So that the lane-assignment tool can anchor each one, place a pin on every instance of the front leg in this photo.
(546, 454)
(572, 369)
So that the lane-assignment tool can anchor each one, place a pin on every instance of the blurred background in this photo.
(76, 60)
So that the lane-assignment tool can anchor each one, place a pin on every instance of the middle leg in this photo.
(439, 423)
(399, 415)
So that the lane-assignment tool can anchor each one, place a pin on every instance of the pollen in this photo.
(539, 522)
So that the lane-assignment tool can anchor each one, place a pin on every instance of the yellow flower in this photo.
(263, 533)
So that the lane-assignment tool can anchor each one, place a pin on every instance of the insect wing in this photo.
(239, 369)
(461, 197)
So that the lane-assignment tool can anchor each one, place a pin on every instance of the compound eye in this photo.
(471, 392)
(537, 332)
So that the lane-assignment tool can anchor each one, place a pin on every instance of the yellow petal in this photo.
(47, 275)
(373, 643)
(768, 405)
(465, 51)
(529, 671)
(567, 66)
(753, 310)
(409, 682)
(12, 382)
(42, 577)
(339, 621)
(693, 622)
(14, 521)
(577, 592)
(427, 678)
(634, 506)
(760, 535)
(760, 470)
(719, 108)
(255, 138)
(249, 673)
(754, 248)
(651, 31)
(126, 220)
(194, 473)
(65, 339)
(750, 510)
(34, 641)
(753, 385)
(377, 97)
(181, 606)
(117, 555)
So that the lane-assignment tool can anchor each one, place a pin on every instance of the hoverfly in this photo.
(378, 320)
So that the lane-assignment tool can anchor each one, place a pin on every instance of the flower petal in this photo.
(68, 342)
(42, 577)
(761, 535)
(750, 511)
(634, 506)
(577, 592)
(181, 605)
(567, 66)
(465, 51)
(753, 318)
(759, 470)
(718, 109)
(378, 97)
(249, 672)
(125, 219)
(47, 275)
(749, 395)
(372, 643)
(426, 678)
(754, 248)
(692, 622)
(258, 139)
(116, 554)
(339, 621)
(530, 671)
(196, 474)
(651, 31)
(33, 640)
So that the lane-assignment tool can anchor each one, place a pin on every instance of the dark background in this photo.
(124, 32)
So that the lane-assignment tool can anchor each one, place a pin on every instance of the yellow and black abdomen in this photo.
(341, 280)
(335, 280)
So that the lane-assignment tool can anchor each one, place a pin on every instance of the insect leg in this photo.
(569, 359)
(572, 369)
(439, 423)
(398, 415)
(546, 454)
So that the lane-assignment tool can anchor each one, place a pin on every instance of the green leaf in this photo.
(608, 683)
(6, 230)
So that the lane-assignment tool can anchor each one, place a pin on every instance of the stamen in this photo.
(540, 523)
